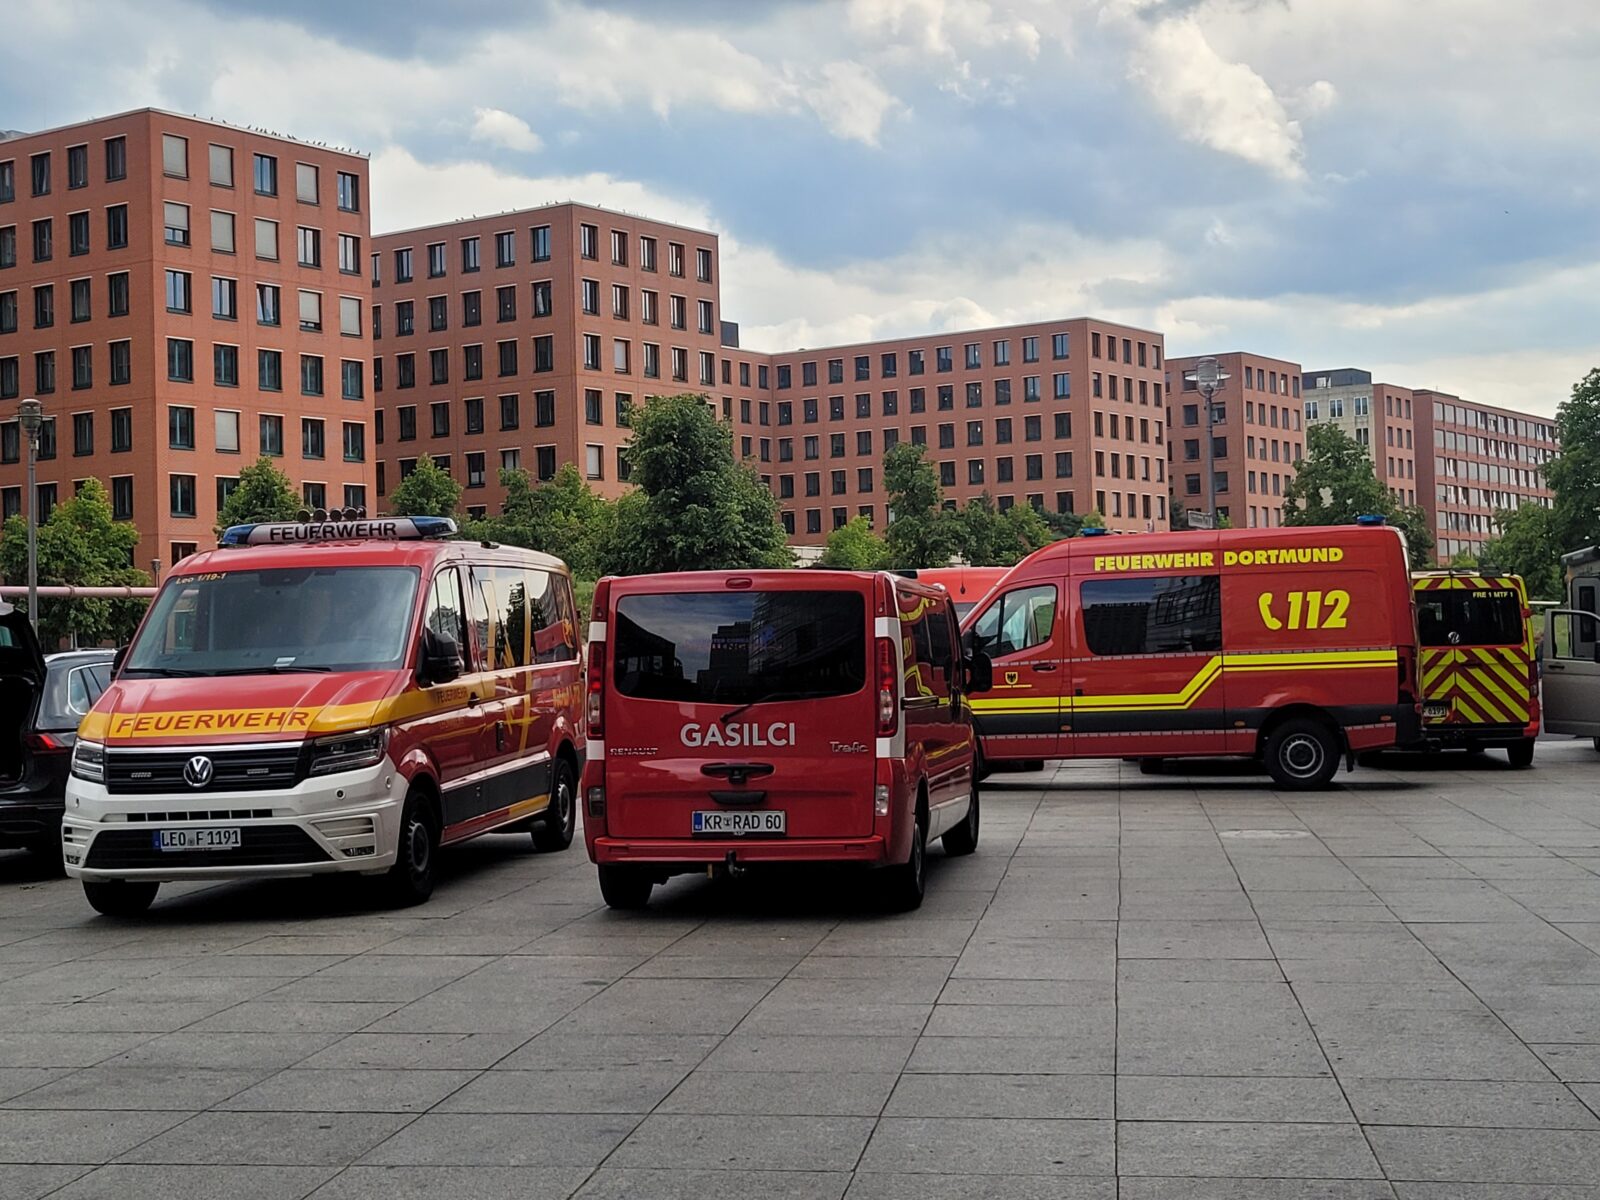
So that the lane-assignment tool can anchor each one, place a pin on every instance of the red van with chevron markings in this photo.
(743, 719)
(1295, 646)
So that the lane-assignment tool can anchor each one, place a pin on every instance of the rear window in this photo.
(1469, 617)
(70, 690)
(738, 647)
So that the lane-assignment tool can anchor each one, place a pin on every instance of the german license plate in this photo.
(206, 837)
(739, 823)
(1435, 712)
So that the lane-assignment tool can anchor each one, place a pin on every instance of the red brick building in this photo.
(1381, 416)
(1478, 459)
(182, 296)
(1257, 436)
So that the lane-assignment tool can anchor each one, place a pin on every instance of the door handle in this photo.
(1555, 666)
(1044, 666)
(500, 735)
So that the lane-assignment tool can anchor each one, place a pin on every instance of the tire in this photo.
(1302, 754)
(1597, 745)
(1032, 764)
(554, 830)
(625, 888)
(120, 897)
(1521, 754)
(1151, 766)
(904, 885)
(963, 838)
(410, 881)
(981, 769)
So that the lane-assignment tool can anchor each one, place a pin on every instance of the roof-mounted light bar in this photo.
(338, 527)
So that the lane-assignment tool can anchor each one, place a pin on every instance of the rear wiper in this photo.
(165, 672)
(768, 698)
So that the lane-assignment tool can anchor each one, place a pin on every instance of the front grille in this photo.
(256, 769)
(198, 814)
(262, 846)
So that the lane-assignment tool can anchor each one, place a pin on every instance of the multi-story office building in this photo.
(1378, 415)
(1477, 459)
(182, 296)
(1257, 435)
(1065, 415)
(524, 340)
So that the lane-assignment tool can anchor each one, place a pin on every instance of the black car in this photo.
(42, 699)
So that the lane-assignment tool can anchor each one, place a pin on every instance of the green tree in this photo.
(1527, 544)
(1574, 475)
(429, 491)
(986, 537)
(855, 547)
(564, 517)
(81, 544)
(263, 493)
(921, 532)
(693, 506)
(1335, 483)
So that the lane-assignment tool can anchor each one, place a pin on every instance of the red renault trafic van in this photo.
(776, 717)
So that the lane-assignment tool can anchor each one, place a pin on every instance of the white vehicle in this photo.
(1572, 651)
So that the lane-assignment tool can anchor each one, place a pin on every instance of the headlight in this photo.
(348, 751)
(89, 761)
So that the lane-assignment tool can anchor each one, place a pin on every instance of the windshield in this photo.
(963, 608)
(738, 647)
(284, 618)
(1470, 617)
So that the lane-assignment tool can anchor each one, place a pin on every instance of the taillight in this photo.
(43, 743)
(597, 683)
(888, 691)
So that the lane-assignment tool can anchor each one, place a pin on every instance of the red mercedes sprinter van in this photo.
(747, 718)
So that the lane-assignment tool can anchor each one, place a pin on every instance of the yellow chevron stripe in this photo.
(1482, 702)
(1512, 706)
(1203, 679)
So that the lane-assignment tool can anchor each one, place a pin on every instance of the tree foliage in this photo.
(564, 517)
(264, 493)
(429, 491)
(919, 533)
(1574, 475)
(989, 538)
(855, 547)
(693, 506)
(1335, 483)
(80, 544)
(1528, 544)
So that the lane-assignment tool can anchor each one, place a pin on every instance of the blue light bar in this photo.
(1093, 531)
(294, 533)
(1371, 519)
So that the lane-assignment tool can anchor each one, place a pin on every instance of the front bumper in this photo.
(323, 825)
(693, 853)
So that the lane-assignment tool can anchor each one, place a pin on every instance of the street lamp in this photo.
(1209, 378)
(30, 418)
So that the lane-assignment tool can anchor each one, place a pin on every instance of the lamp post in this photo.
(1209, 378)
(30, 418)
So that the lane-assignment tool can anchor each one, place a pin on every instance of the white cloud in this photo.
(1221, 104)
(850, 102)
(500, 128)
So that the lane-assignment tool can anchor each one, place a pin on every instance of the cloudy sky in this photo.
(1411, 186)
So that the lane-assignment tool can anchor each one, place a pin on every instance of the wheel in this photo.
(963, 838)
(1033, 764)
(981, 769)
(904, 885)
(554, 830)
(120, 897)
(1302, 753)
(626, 888)
(410, 881)
(1151, 766)
(1521, 754)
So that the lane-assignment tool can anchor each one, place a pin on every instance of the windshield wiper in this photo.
(165, 672)
(291, 669)
(767, 699)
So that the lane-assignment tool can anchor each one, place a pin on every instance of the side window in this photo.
(551, 617)
(509, 602)
(939, 641)
(81, 692)
(1017, 621)
(1152, 615)
(478, 615)
(446, 616)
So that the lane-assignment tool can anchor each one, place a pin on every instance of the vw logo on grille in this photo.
(197, 771)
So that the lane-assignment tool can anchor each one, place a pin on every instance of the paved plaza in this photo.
(1140, 987)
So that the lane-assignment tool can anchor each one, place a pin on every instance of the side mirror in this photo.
(441, 658)
(980, 673)
(116, 659)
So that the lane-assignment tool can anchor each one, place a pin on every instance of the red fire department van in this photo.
(1296, 646)
(740, 719)
(346, 695)
(966, 585)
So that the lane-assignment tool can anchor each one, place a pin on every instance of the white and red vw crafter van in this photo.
(740, 719)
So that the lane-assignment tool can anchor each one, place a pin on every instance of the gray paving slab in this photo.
(141, 1088)
(782, 1093)
(120, 1181)
(1277, 1149)
(1234, 1099)
(633, 1183)
(1471, 1103)
(348, 1089)
(1188, 1187)
(439, 1183)
(77, 1135)
(747, 1143)
(283, 1139)
(502, 1140)
(631, 1089)
(1494, 1156)
(877, 1185)
(974, 1096)
(30, 1181)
